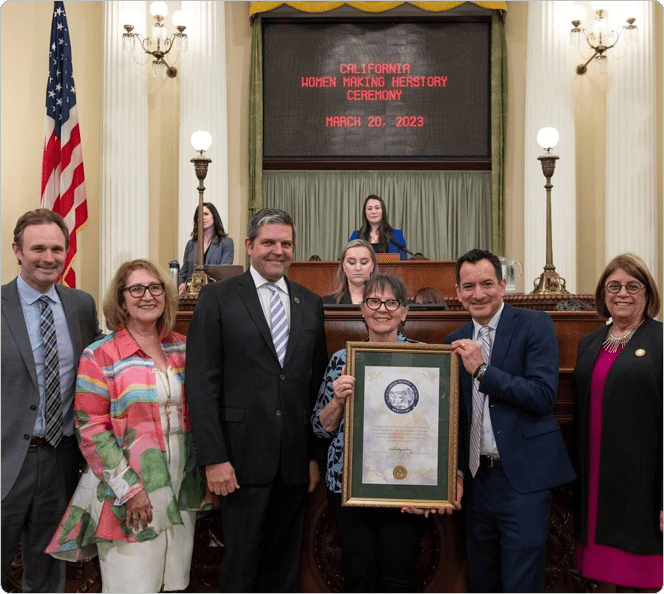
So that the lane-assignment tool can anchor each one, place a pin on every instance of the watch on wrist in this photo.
(479, 372)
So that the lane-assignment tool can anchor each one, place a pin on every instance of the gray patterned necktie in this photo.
(279, 323)
(53, 408)
(478, 405)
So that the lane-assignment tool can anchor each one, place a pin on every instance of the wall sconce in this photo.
(601, 38)
(201, 141)
(164, 44)
(549, 282)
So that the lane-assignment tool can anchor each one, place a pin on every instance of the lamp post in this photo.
(549, 282)
(201, 141)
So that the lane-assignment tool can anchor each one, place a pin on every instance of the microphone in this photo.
(400, 246)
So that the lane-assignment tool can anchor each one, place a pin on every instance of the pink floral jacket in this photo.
(118, 425)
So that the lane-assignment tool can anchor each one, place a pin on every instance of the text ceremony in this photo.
(332, 296)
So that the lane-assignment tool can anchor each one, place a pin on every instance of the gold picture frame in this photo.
(401, 425)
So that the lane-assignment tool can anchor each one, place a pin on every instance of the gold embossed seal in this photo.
(400, 472)
(640, 352)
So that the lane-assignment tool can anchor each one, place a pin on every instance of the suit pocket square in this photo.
(539, 428)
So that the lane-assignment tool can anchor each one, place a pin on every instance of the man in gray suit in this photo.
(45, 327)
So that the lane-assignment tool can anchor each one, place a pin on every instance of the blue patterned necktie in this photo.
(478, 406)
(279, 323)
(53, 408)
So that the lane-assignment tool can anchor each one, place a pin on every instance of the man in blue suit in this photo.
(511, 450)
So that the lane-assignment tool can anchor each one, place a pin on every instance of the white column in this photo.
(549, 102)
(124, 142)
(203, 107)
(631, 169)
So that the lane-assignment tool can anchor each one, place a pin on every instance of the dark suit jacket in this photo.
(345, 299)
(218, 253)
(522, 384)
(630, 487)
(20, 391)
(246, 409)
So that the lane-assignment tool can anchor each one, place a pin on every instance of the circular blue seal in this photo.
(401, 396)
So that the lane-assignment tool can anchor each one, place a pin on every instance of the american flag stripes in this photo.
(63, 179)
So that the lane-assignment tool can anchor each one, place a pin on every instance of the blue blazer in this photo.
(391, 249)
(218, 253)
(522, 385)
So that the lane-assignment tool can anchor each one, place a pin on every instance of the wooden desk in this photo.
(320, 277)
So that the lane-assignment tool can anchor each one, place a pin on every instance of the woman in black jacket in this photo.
(618, 432)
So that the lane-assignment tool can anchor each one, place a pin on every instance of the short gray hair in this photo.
(268, 215)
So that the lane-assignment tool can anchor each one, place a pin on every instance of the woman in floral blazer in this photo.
(136, 501)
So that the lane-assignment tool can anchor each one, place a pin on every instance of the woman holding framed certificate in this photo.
(381, 545)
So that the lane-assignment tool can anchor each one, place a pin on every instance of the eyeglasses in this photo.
(631, 286)
(375, 303)
(138, 291)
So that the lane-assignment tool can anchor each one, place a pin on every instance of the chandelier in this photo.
(160, 44)
(601, 37)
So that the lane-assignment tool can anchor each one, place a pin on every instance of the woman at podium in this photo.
(377, 231)
(356, 265)
(218, 247)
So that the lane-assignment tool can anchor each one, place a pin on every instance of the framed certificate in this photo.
(401, 425)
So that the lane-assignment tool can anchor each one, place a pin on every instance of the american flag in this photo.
(63, 180)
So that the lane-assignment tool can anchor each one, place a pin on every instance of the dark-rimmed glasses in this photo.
(631, 286)
(375, 303)
(138, 291)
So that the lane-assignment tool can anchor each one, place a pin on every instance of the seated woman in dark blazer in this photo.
(218, 247)
(618, 433)
(377, 231)
(356, 265)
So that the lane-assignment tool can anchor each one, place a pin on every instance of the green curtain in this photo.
(498, 131)
(443, 214)
(256, 118)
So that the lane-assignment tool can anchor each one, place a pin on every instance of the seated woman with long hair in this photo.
(356, 265)
(218, 247)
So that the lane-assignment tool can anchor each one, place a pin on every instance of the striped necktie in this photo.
(53, 405)
(478, 405)
(279, 323)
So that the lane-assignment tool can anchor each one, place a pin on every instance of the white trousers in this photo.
(149, 565)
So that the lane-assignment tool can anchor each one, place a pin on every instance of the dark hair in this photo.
(219, 232)
(385, 231)
(114, 311)
(342, 280)
(430, 295)
(268, 215)
(636, 267)
(473, 257)
(39, 216)
(381, 282)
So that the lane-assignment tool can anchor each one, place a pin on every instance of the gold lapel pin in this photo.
(640, 352)
(297, 300)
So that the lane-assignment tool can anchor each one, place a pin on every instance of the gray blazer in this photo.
(20, 391)
(218, 253)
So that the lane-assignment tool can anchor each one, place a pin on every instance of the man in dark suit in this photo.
(39, 452)
(510, 445)
(255, 360)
